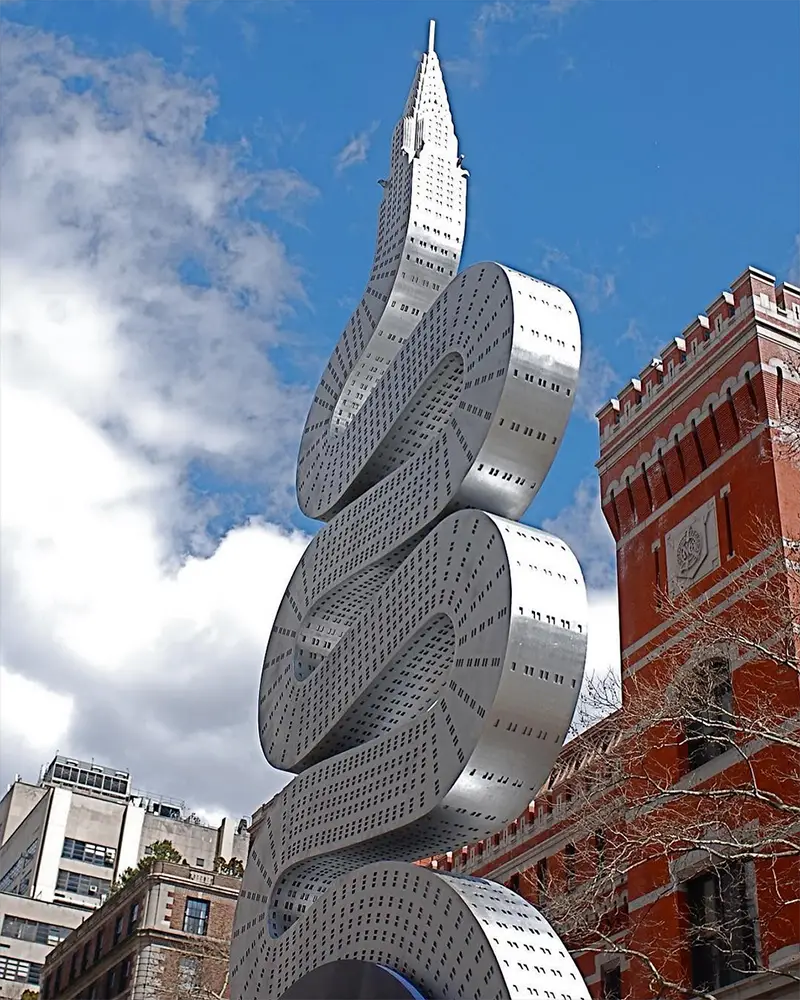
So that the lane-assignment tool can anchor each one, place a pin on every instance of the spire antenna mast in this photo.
(431, 36)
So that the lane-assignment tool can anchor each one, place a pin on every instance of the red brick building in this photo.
(164, 936)
(666, 845)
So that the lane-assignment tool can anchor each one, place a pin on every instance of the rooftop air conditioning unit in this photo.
(92, 890)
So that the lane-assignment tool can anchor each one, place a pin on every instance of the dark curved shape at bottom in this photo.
(352, 980)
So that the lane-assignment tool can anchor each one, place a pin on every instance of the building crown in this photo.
(427, 106)
(753, 293)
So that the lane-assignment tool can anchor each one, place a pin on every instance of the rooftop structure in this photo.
(66, 839)
(29, 929)
(164, 936)
(87, 776)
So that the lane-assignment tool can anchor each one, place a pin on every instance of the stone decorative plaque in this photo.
(692, 548)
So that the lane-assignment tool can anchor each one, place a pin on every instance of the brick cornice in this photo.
(696, 372)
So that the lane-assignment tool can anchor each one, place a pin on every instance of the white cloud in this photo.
(632, 332)
(598, 382)
(129, 635)
(645, 228)
(356, 150)
(583, 527)
(492, 13)
(174, 10)
(590, 287)
(31, 714)
(535, 21)
(532, 22)
(601, 690)
(568, 65)
(603, 652)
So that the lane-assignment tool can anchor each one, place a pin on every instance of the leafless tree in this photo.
(694, 771)
(787, 429)
(195, 969)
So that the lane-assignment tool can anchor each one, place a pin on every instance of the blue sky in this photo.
(639, 154)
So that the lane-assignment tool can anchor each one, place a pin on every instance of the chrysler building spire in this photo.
(428, 96)
(421, 224)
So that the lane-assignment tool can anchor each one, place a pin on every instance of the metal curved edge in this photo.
(449, 936)
(483, 745)
(519, 342)
(352, 979)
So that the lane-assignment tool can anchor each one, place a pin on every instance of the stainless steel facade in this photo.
(425, 661)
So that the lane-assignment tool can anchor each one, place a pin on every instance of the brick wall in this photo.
(692, 442)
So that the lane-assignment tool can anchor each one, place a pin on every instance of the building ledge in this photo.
(772, 985)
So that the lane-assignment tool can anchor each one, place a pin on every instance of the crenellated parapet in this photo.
(708, 389)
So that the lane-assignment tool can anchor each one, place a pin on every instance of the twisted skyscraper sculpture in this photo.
(425, 661)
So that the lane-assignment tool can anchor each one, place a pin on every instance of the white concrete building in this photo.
(64, 841)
